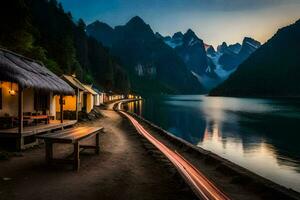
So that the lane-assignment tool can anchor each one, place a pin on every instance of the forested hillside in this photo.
(272, 70)
(42, 30)
(153, 66)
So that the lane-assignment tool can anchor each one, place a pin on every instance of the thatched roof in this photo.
(97, 90)
(90, 90)
(74, 82)
(30, 74)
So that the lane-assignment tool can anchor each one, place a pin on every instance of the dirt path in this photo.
(124, 170)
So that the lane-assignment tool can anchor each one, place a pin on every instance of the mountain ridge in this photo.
(210, 66)
(272, 70)
(148, 60)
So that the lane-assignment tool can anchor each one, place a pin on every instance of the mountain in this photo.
(272, 70)
(237, 47)
(191, 49)
(101, 32)
(174, 41)
(222, 48)
(233, 55)
(210, 50)
(153, 66)
(159, 36)
(228, 57)
(42, 30)
(248, 47)
(211, 67)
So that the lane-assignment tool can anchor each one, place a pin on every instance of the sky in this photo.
(214, 21)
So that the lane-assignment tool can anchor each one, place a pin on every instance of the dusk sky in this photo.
(214, 21)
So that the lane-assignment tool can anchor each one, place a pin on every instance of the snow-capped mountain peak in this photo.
(210, 66)
(192, 51)
(193, 41)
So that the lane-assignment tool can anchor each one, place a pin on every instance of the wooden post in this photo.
(76, 156)
(77, 102)
(20, 119)
(49, 152)
(97, 143)
(20, 109)
(61, 102)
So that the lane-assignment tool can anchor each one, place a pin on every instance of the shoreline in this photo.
(254, 183)
(275, 97)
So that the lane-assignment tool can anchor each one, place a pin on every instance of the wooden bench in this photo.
(37, 118)
(71, 136)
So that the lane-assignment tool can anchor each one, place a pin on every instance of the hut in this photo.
(73, 104)
(27, 93)
(89, 98)
(97, 97)
(83, 100)
(105, 97)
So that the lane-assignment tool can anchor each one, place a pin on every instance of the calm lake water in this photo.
(261, 135)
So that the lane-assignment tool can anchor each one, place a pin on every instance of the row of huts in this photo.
(30, 92)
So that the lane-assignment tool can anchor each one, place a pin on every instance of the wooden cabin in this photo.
(82, 100)
(76, 103)
(27, 97)
(105, 97)
(99, 97)
(90, 98)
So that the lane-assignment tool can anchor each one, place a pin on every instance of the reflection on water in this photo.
(260, 135)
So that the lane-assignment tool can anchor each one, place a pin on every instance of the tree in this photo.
(40, 29)
(81, 25)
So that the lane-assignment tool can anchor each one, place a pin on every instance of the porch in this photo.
(27, 96)
(27, 139)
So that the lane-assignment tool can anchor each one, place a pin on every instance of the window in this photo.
(41, 101)
(0, 98)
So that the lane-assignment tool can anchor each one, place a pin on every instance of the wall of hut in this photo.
(69, 103)
(101, 96)
(90, 102)
(10, 101)
(53, 105)
(97, 99)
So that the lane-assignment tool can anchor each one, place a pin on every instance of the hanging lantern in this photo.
(11, 91)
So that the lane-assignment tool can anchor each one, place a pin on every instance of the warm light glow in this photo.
(69, 103)
(12, 92)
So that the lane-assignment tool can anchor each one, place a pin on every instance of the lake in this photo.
(262, 135)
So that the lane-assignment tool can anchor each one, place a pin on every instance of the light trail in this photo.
(203, 187)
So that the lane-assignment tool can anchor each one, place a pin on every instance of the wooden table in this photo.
(71, 136)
